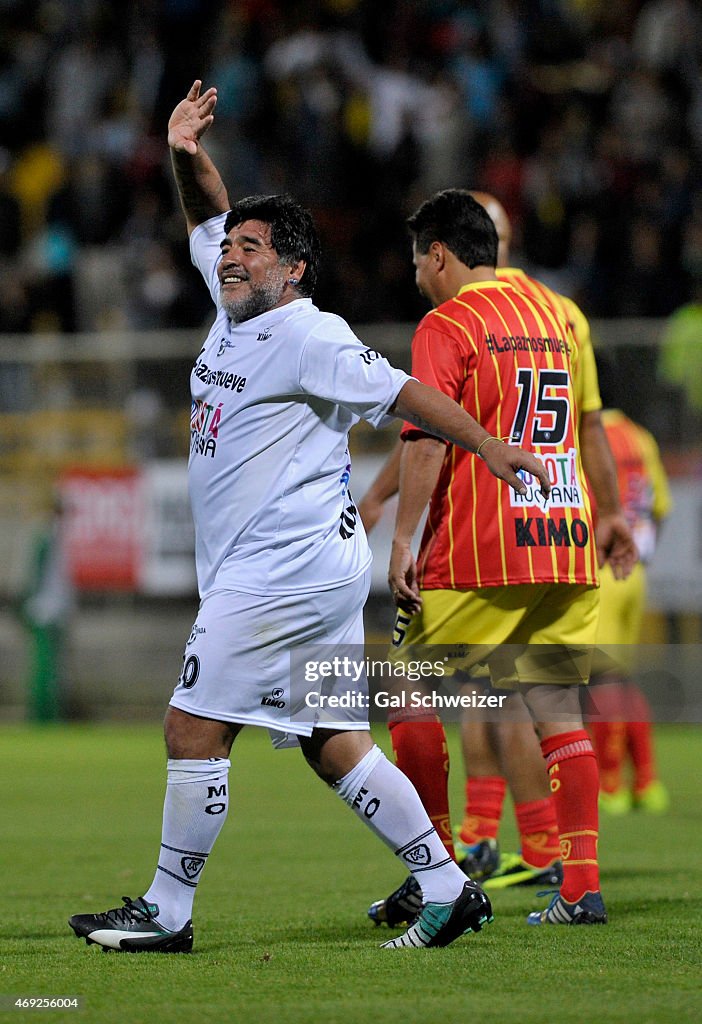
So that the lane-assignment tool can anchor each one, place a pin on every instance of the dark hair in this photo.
(463, 225)
(293, 234)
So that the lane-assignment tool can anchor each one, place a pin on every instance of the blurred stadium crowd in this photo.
(583, 116)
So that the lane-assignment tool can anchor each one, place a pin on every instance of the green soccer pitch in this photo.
(281, 933)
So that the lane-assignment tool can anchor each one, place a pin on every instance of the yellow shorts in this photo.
(528, 634)
(622, 606)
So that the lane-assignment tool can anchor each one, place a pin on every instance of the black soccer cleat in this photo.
(514, 871)
(132, 928)
(400, 907)
(479, 861)
(439, 924)
(589, 909)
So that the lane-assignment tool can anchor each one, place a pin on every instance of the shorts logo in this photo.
(195, 633)
(191, 671)
(275, 700)
(192, 866)
(419, 854)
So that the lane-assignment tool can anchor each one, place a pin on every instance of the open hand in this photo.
(503, 461)
(191, 119)
(402, 578)
(615, 544)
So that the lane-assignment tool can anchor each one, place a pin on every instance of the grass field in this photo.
(280, 927)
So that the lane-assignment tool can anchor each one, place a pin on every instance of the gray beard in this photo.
(259, 300)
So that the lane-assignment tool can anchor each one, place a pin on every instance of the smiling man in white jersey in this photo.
(282, 561)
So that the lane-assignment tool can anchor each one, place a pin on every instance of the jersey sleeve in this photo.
(586, 385)
(336, 366)
(205, 251)
(662, 500)
(439, 361)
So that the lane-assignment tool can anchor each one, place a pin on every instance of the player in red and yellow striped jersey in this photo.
(622, 724)
(492, 571)
(508, 359)
(508, 747)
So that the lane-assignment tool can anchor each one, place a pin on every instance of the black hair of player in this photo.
(463, 225)
(293, 234)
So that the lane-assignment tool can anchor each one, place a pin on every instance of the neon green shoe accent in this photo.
(654, 799)
(514, 871)
(617, 803)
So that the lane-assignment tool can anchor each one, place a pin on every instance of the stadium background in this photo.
(583, 117)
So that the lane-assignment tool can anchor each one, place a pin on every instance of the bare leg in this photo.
(384, 799)
(188, 736)
(332, 754)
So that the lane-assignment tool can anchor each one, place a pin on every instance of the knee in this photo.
(188, 737)
(332, 754)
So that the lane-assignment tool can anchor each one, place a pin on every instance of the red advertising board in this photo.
(104, 527)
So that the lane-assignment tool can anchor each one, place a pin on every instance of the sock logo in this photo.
(212, 792)
(566, 848)
(442, 824)
(419, 854)
(372, 805)
(192, 866)
(554, 782)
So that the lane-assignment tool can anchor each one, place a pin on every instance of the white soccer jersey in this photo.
(273, 401)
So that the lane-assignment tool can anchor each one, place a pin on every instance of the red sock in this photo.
(485, 795)
(609, 740)
(572, 770)
(639, 739)
(538, 831)
(421, 753)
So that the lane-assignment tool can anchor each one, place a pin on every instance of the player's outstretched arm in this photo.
(200, 187)
(385, 486)
(434, 412)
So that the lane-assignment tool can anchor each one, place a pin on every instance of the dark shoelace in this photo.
(129, 912)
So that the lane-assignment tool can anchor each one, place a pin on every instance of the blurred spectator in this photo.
(81, 76)
(45, 610)
(153, 289)
(681, 354)
(641, 109)
(10, 213)
(584, 118)
(48, 261)
(667, 36)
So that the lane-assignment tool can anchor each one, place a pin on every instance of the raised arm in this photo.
(200, 187)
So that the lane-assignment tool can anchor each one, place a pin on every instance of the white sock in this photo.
(384, 798)
(195, 808)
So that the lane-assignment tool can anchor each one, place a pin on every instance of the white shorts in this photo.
(243, 658)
